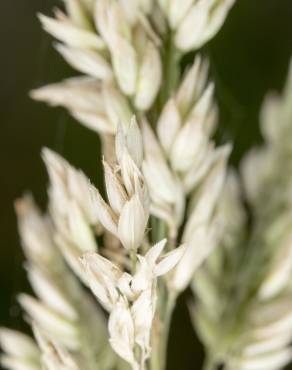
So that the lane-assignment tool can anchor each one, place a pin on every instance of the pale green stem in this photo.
(166, 328)
(133, 257)
(160, 341)
(161, 230)
(171, 59)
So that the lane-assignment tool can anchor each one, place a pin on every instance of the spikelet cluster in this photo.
(107, 264)
(119, 46)
(248, 278)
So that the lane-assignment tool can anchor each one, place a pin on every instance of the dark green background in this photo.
(249, 57)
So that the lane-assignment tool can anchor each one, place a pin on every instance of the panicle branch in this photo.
(163, 174)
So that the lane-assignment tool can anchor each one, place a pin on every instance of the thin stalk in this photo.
(133, 257)
(171, 59)
(161, 230)
(166, 328)
(160, 340)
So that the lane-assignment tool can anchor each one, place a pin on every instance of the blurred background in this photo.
(249, 57)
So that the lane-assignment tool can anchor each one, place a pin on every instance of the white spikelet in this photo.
(279, 276)
(102, 276)
(210, 191)
(199, 247)
(164, 187)
(133, 48)
(101, 107)
(54, 356)
(69, 183)
(149, 78)
(192, 85)
(128, 213)
(71, 203)
(77, 13)
(130, 299)
(66, 31)
(35, 231)
(186, 124)
(86, 61)
(51, 322)
(132, 223)
(168, 125)
(129, 139)
(177, 11)
(208, 16)
(122, 332)
(21, 352)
